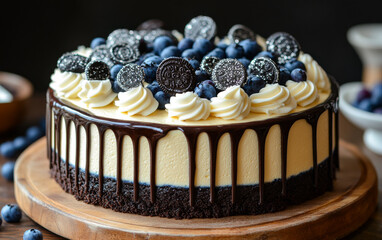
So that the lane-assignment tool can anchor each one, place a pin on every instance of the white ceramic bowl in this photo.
(370, 122)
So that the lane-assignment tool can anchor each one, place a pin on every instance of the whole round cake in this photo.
(160, 123)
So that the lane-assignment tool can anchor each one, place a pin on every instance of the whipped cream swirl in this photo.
(83, 51)
(96, 93)
(232, 103)
(66, 84)
(137, 101)
(273, 99)
(304, 92)
(188, 106)
(314, 72)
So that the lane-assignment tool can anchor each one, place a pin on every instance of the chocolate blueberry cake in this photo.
(158, 123)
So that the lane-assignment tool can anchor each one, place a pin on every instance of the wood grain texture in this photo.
(332, 215)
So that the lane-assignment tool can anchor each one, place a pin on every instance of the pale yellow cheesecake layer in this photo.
(172, 160)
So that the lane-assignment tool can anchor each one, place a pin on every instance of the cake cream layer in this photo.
(172, 159)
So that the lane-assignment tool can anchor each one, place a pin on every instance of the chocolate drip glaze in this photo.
(101, 132)
(154, 132)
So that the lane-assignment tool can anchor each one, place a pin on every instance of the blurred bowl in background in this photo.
(13, 112)
(367, 41)
(370, 122)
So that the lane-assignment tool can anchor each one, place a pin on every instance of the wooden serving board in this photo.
(333, 215)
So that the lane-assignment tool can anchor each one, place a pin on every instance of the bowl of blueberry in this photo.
(363, 107)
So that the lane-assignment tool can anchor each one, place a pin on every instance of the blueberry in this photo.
(11, 213)
(161, 43)
(162, 98)
(298, 75)
(7, 170)
(201, 76)
(154, 87)
(365, 105)
(251, 48)
(32, 234)
(206, 89)
(203, 46)
(253, 85)
(34, 133)
(234, 51)
(185, 43)
(144, 57)
(293, 64)
(284, 76)
(245, 62)
(376, 95)
(217, 52)
(97, 42)
(114, 70)
(191, 53)
(153, 59)
(223, 46)
(20, 143)
(363, 94)
(150, 70)
(115, 87)
(378, 110)
(170, 51)
(267, 54)
(8, 150)
(195, 63)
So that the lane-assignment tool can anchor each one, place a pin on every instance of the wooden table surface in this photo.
(372, 229)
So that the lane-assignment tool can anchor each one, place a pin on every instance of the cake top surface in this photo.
(155, 75)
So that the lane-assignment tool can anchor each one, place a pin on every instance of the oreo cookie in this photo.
(130, 76)
(97, 70)
(229, 72)
(238, 33)
(119, 36)
(102, 53)
(151, 24)
(264, 68)
(200, 27)
(176, 75)
(124, 53)
(208, 64)
(71, 62)
(284, 46)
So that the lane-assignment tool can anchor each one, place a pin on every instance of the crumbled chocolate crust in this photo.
(173, 202)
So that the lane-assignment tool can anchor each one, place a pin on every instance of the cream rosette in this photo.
(188, 106)
(96, 93)
(136, 101)
(304, 92)
(315, 73)
(273, 99)
(66, 84)
(232, 103)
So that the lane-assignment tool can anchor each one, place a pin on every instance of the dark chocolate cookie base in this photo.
(173, 202)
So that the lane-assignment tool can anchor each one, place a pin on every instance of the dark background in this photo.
(34, 34)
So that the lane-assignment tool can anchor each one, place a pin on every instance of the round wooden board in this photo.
(333, 215)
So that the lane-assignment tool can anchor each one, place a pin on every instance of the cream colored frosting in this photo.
(136, 101)
(273, 99)
(83, 51)
(96, 93)
(315, 73)
(66, 84)
(304, 92)
(232, 103)
(188, 106)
